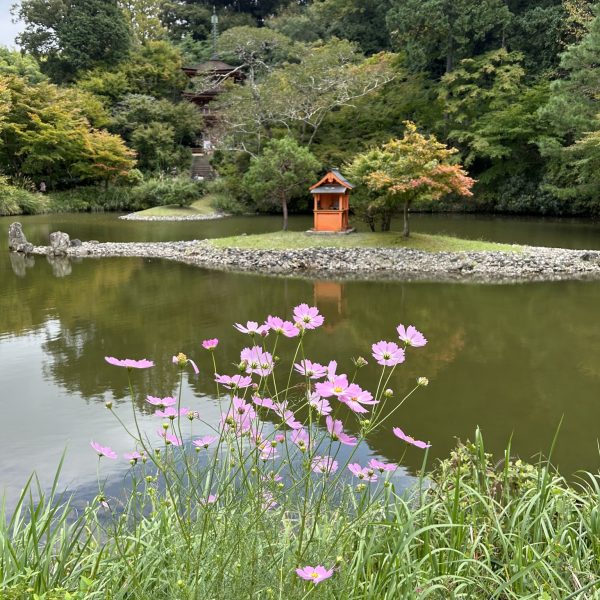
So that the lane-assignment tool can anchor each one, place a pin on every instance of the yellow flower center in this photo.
(314, 575)
(338, 390)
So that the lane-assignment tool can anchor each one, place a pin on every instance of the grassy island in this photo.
(291, 240)
(201, 207)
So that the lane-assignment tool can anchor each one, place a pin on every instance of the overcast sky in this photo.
(8, 30)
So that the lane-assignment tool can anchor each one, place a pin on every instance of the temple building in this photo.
(214, 73)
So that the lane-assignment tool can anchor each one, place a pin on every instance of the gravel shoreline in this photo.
(531, 264)
(208, 217)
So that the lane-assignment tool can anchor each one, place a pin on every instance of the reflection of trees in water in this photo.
(503, 357)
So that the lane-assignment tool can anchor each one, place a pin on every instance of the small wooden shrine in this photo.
(332, 203)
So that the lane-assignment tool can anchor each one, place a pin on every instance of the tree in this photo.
(21, 65)
(415, 167)
(296, 98)
(572, 115)
(492, 115)
(47, 135)
(284, 169)
(144, 17)
(430, 31)
(67, 36)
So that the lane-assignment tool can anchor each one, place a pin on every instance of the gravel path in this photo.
(532, 264)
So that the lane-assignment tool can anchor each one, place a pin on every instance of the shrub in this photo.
(162, 191)
(15, 200)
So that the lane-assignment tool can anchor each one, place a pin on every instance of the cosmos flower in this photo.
(324, 464)
(210, 344)
(264, 402)
(336, 430)
(205, 442)
(103, 450)
(300, 437)
(310, 369)
(170, 439)
(170, 412)
(129, 363)
(410, 440)
(411, 336)
(336, 386)
(234, 381)
(257, 361)
(377, 465)
(161, 402)
(387, 354)
(363, 473)
(314, 574)
(321, 405)
(181, 360)
(279, 326)
(252, 328)
(308, 317)
(133, 457)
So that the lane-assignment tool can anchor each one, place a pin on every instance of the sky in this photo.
(8, 30)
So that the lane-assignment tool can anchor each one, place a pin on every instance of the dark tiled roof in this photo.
(329, 189)
(342, 178)
(212, 65)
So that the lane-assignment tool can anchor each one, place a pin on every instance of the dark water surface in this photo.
(512, 359)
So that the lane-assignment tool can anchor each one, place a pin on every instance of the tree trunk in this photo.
(386, 221)
(285, 213)
(406, 230)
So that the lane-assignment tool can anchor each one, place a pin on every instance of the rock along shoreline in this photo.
(404, 264)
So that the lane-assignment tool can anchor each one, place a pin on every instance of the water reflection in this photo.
(19, 263)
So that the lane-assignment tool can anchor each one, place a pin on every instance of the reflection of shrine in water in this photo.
(330, 297)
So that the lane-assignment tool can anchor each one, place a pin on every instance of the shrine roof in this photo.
(329, 189)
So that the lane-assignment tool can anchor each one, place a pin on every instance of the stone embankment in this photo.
(141, 217)
(529, 264)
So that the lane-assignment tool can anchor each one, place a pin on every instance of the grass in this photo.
(199, 207)
(481, 532)
(283, 240)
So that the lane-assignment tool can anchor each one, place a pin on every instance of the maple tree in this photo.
(415, 167)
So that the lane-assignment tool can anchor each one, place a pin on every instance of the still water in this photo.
(512, 359)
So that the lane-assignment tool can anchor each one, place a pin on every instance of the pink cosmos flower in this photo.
(170, 439)
(321, 405)
(205, 442)
(411, 336)
(310, 369)
(170, 412)
(267, 451)
(210, 344)
(333, 387)
(288, 417)
(324, 464)
(268, 501)
(300, 437)
(279, 326)
(272, 477)
(252, 328)
(314, 574)
(363, 473)
(210, 499)
(331, 369)
(103, 450)
(355, 397)
(129, 363)
(161, 402)
(264, 402)
(388, 354)
(233, 382)
(240, 417)
(134, 456)
(410, 440)
(377, 465)
(257, 361)
(308, 317)
(181, 360)
(336, 430)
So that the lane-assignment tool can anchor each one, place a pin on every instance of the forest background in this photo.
(91, 105)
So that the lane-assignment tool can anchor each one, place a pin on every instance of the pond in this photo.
(514, 360)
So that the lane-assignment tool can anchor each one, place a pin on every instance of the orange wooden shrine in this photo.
(332, 202)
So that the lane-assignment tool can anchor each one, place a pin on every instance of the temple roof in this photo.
(333, 176)
(211, 65)
(329, 189)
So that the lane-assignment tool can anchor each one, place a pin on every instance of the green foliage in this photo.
(415, 168)
(283, 170)
(20, 65)
(159, 131)
(436, 33)
(144, 18)
(16, 200)
(153, 69)
(71, 35)
(47, 134)
(161, 191)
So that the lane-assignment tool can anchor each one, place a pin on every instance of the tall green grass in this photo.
(475, 530)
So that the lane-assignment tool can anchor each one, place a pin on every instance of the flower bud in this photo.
(423, 381)
(360, 362)
(242, 366)
(109, 405)
(165, 426)
(361, 487)
(388, 393)
(181, 360)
